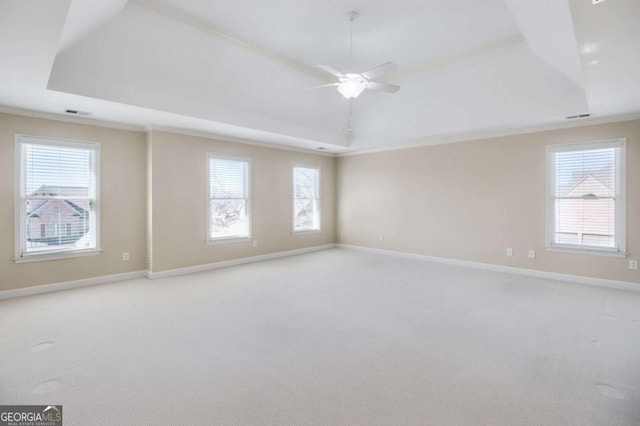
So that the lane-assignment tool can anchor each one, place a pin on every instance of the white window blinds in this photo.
(586, 188)
(57, 198)
(306, 198)
(228, 198)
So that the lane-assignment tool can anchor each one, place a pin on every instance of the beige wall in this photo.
(469, 200)
(179, 201)
(167, 173)
(472, 200)
(123, 203)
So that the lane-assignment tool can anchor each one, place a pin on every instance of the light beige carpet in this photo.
(333, 337)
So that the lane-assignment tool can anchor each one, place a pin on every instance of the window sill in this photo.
(310, 231)
(595, 252)
(228, 240)
(41, 257)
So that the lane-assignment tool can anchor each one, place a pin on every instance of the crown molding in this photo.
(224, 138)
(490, 134)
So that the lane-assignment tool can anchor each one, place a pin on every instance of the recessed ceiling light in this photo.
(598, 1)
(589, 48)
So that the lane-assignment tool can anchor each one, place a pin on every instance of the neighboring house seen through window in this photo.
(228, 198)
(306, 198)
(586, 205)
(57, 198)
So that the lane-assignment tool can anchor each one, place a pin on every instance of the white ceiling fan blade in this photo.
(322, 85)
(380, 71)
(331, 71)
(382, 87)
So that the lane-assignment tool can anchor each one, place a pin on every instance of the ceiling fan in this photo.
(351, 85)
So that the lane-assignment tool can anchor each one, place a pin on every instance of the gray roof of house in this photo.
(69, 191)
(62, 191)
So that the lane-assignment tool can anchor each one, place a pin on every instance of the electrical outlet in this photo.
(509, 251)
(381, 237)
(532, 254)
(125, 256)
(633, 264)
(255, 243)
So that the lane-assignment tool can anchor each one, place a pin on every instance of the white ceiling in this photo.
(240, 70)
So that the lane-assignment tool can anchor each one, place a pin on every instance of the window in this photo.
(306, 198)
(57, 184)
(228, 198)
(586, 197)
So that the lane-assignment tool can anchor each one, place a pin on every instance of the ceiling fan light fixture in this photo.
(351, 85)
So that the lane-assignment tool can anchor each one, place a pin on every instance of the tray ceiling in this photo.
(241, 70)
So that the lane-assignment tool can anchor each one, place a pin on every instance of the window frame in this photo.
(293, 198)
(20, 206)
(247, 187)
(620, 160)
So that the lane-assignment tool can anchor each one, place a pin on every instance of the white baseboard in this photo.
(598, 282)
(48, 288)
(234, 262)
